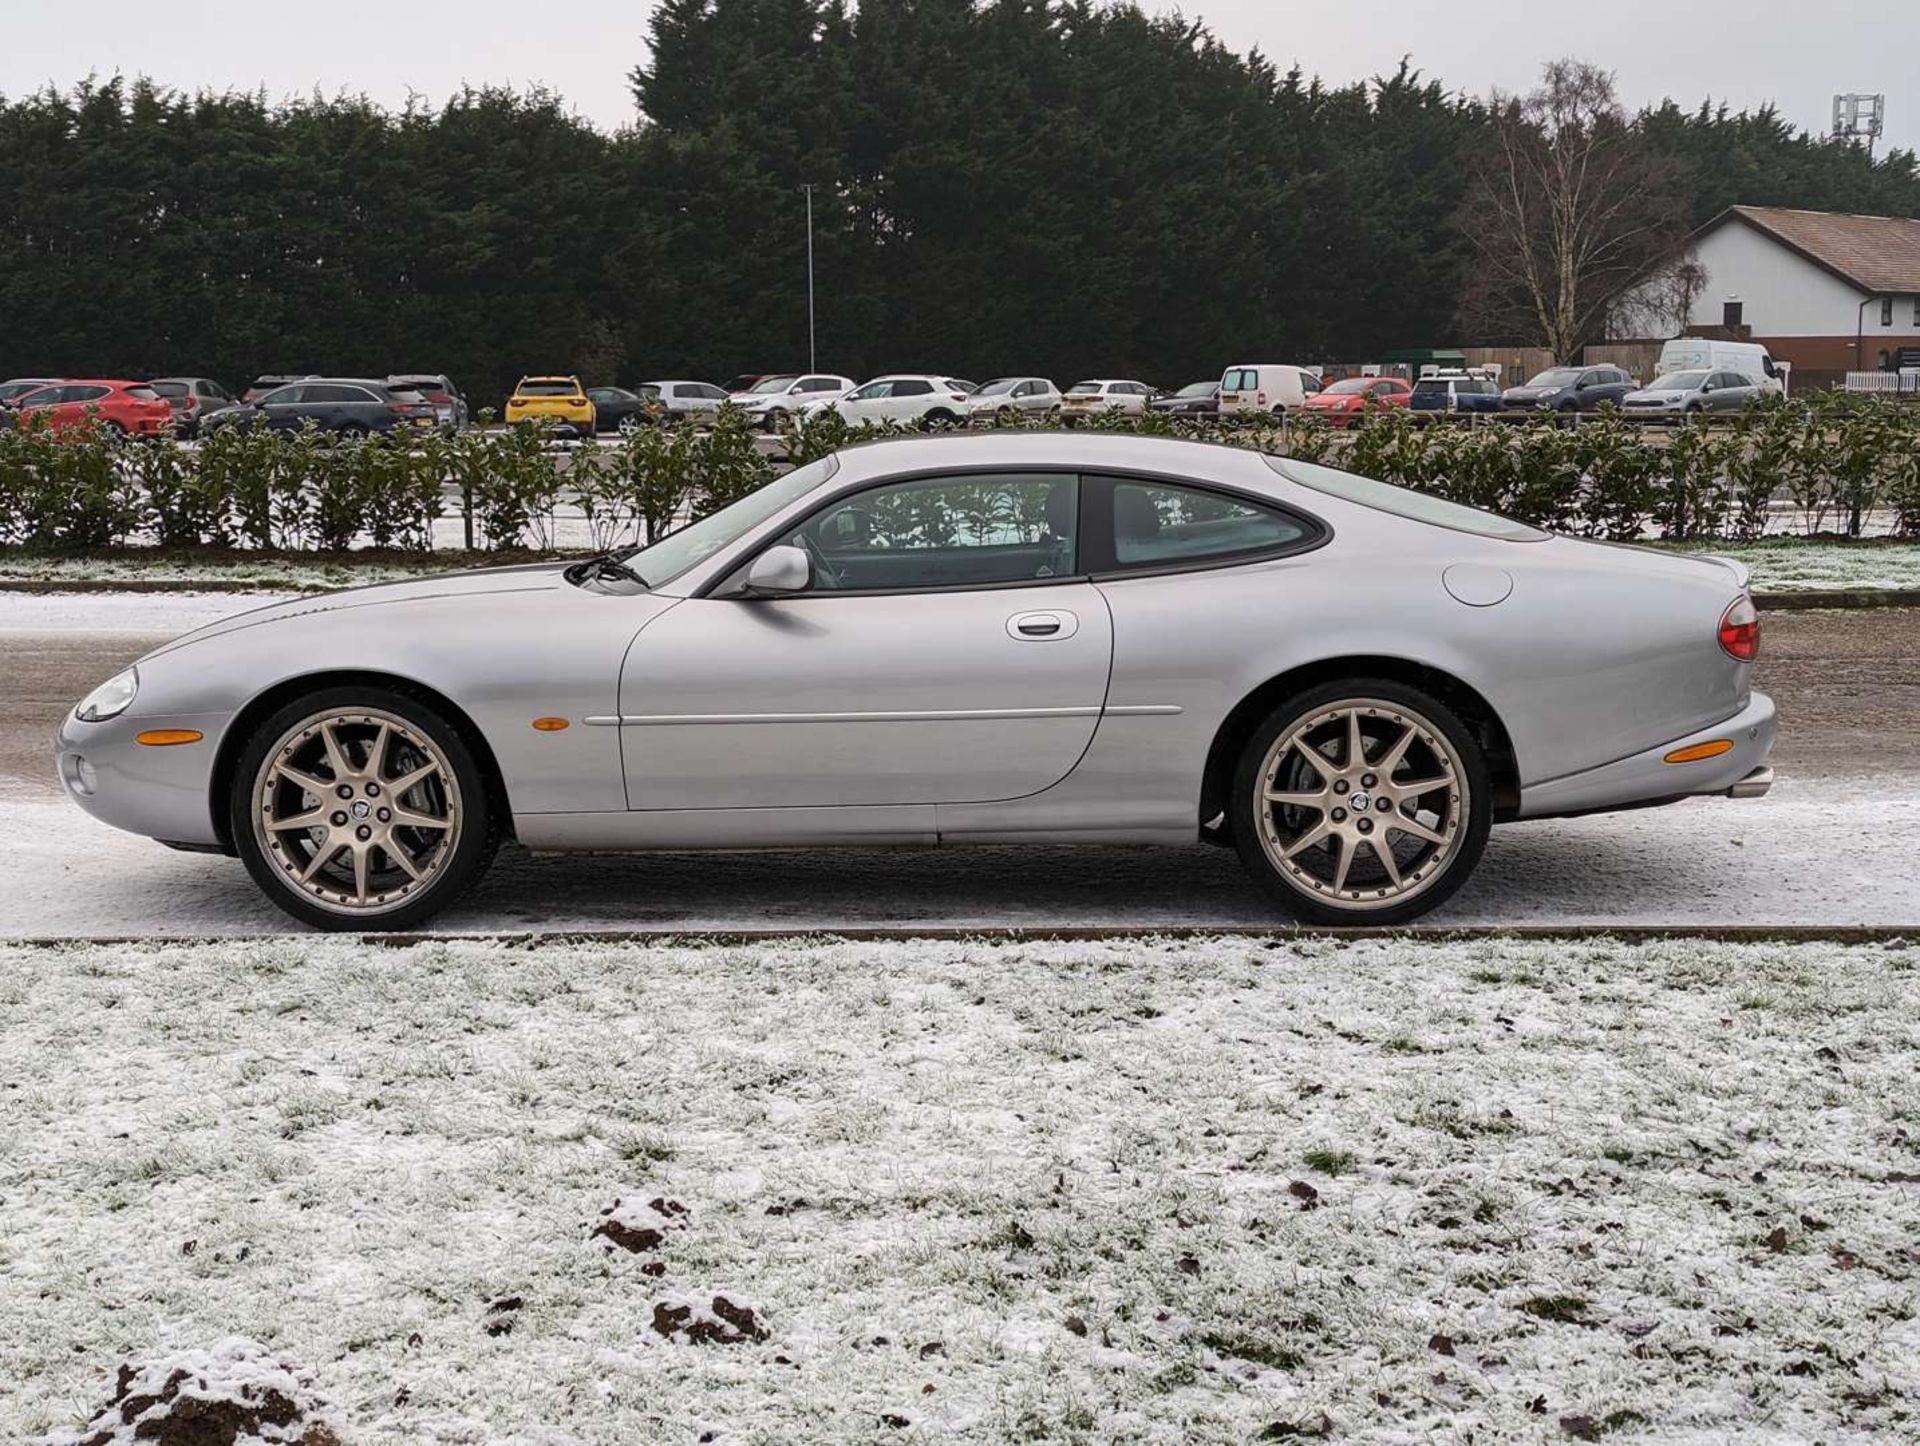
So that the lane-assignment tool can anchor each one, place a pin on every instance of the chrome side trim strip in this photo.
(943, 715)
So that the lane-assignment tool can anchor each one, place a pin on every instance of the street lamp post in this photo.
(813, 363)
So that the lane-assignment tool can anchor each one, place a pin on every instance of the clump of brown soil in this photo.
(721, 1320)
(636, 1226)
(228, 1395)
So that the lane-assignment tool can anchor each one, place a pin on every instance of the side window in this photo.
(873, 391)
(817, 384)
(1309, 383)
(913, 389)
(282, 396)
(1156, 524)
(943, 532)
(83, 394)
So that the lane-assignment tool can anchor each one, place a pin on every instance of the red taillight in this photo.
(439, 399)
(1740, 631)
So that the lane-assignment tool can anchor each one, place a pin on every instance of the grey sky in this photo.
(1784, 50)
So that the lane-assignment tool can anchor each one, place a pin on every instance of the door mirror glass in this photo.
(780, 571)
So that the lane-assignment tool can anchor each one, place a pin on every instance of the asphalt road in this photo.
(1847, 683)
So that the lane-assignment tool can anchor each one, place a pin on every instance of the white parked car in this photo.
(1265, 387)
(772, 400)
(685, 399)
(1089, 398)
(1007, 397)
(906, 399)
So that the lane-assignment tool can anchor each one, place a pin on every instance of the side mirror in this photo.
(780, 572)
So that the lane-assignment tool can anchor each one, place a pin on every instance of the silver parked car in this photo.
(1038, 637)
(686, 401)
(1005, 398)
(1682, 394)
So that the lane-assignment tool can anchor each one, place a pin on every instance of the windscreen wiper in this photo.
(606, 564)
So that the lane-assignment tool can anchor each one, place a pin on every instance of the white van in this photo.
(1265, 388)
(1698, 353)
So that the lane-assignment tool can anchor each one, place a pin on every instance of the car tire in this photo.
(350, 432)
(938, 420)
(343, 870)
(1298, 834)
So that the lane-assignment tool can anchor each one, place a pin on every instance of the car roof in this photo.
(1171, 456)
(100, 382)
(550, 377)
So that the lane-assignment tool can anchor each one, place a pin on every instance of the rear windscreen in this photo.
(1402, 502)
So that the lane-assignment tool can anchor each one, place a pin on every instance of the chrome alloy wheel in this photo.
(357, 810)
(1362, 804)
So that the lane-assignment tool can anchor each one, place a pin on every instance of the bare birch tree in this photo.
(1567, 204)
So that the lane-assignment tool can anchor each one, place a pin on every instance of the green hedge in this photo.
(1835, 459)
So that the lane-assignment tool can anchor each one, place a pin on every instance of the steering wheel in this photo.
(824, 573)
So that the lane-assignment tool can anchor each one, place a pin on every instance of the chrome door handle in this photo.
(1040, 627)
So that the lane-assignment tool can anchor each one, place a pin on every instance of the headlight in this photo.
(110, 699)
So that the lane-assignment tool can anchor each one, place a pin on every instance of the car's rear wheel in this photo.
(361, 808)
(1361, 802)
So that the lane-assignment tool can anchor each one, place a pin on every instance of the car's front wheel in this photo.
(1363, 802)
(361, 808)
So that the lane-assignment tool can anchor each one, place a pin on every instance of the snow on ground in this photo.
(1149, 1191)
(1772, 860)
(1791, 566)
(163, 615)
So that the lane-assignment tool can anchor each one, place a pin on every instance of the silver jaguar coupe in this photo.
(1012, 638)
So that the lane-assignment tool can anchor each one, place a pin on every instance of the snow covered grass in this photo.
(1147, 1191)
(1803, 565)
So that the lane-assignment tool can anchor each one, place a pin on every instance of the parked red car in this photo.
(127, 409)
(1346, 402)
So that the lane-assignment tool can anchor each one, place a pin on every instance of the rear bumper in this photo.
(1643, 778)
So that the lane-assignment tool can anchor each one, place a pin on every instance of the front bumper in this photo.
(163, 793)
(1644, 778)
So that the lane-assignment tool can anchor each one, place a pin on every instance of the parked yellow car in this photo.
(554, 399)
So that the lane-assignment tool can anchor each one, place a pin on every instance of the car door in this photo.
(908, 400)
(946, 653)
(283, 407)
(55, 406)
(866, 404)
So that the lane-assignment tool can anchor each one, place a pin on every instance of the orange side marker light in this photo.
(1701, 750)
(168, 737)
